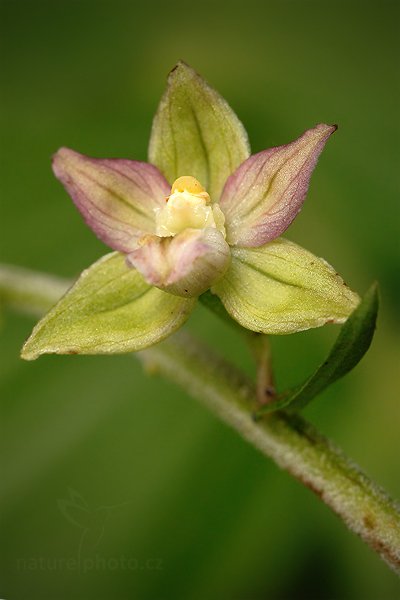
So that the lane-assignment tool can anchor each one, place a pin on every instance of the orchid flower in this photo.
(203, 214)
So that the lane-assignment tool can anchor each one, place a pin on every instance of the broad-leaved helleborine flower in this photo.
(202, 214)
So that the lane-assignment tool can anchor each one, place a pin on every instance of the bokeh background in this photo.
(172, 504)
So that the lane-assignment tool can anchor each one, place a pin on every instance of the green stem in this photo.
(290, 441)
(28, 291)
(261, 350)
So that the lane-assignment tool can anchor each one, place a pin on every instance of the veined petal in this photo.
(109, 310)
(266, 192)
(281, 288)
(116, 197)
(195, 132)
(185, 265)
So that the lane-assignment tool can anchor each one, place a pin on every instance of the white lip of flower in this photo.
(188, 207)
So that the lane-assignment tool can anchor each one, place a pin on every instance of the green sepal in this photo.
(281, 288)
(352, 343)
(109, 310)
(195, 132)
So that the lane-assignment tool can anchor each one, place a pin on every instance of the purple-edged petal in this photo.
(263, 196)
(116, 197)
(185, 265)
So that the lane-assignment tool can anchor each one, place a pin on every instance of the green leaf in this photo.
(109, 310)
(281, 288)
(352, 343)
(195, 132)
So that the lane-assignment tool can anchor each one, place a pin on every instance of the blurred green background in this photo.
(195, 513)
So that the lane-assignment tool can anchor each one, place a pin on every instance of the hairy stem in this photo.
(28, 291)
(290, 441)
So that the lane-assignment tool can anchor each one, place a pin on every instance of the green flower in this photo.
(202, 214)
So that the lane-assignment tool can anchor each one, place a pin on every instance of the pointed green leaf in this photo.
(109, 310)
(282, 288)
(352, 343)
(195, 132)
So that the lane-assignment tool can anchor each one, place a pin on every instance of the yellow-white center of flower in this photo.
(188, 206)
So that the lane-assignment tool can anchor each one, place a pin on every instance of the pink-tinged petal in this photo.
(117, 198)
(263, 196)
(185, 265)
